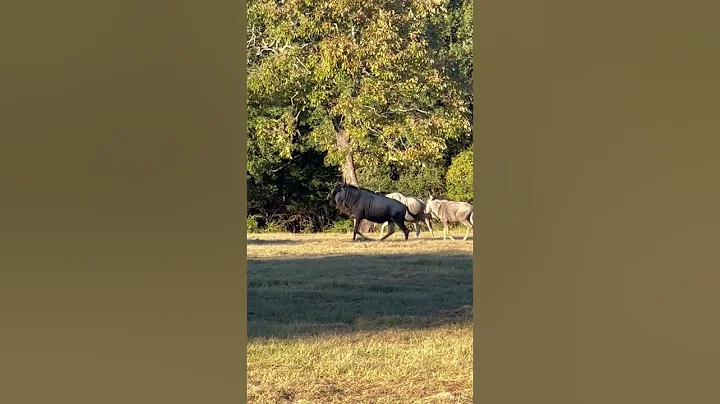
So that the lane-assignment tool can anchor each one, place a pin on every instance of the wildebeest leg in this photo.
(427, 221)
(404, 229)
(391, 230)
(382, 228)
(417, 229)
(356, 228)
(467, 224)
(446, 230)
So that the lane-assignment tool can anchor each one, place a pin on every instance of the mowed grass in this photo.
(331, 320)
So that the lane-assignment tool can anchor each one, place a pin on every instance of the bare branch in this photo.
(282, 166)
(273, 46)
(298, 61)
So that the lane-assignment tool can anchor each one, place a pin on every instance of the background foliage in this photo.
(459, 177)
(377, 90)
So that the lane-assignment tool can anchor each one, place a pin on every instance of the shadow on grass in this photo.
(397, 237)
(437, 238)
(297, 297)
(255, 241)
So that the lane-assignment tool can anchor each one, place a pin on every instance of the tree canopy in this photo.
(370, 85)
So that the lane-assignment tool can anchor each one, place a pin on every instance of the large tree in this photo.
(355, 78)
(451, 38)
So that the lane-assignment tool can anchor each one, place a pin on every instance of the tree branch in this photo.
(282, 166)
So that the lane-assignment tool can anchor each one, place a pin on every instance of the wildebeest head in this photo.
(432, 206)
(339, 196)
(340, 202)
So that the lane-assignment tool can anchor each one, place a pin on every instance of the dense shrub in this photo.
(415, 181)
(341, 226)
(296, 196)
(252, 224)
(422, 182)
(256, 224)
(459, 177)
(272, 227)
(376, 178)
(293, 197)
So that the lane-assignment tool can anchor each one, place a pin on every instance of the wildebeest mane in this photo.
(356, 187)
(350, 198)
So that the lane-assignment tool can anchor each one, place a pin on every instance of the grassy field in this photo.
(331, 320)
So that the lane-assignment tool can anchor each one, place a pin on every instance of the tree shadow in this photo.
(437, 238)
(256, 241)
(296, 297)
(398, 237)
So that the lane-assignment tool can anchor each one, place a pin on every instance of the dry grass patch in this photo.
(432, 365)
(306, 245)
(331, 321)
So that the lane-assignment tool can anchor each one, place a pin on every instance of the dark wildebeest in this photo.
(362, 204)
(416, 207)
(451, 212)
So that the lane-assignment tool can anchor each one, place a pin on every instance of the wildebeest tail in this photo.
(411, 215)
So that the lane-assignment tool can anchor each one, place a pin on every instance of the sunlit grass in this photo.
(330, 320)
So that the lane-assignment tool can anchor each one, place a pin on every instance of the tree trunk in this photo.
(348, 166)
